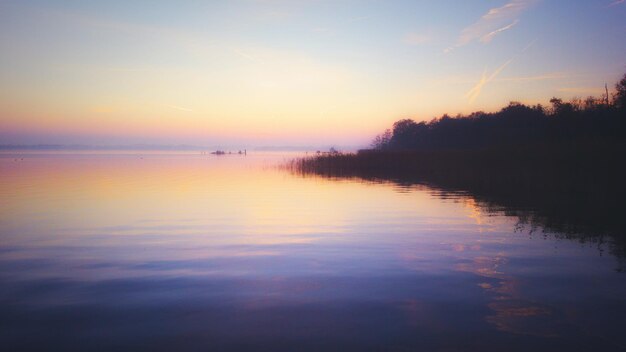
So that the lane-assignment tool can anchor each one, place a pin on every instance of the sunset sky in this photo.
(278, 72)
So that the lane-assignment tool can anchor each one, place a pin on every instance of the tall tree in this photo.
(619, 98)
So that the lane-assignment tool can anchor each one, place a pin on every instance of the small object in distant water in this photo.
(218, 152)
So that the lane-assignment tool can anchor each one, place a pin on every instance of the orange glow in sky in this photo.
(288, 72)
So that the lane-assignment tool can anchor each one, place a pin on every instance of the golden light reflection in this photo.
(254, 206)
(475, 213)
(131, 189)
(511, 311)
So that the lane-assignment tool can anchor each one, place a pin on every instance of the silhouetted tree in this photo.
(619, 99)
(562, 109)
(592, 103)
(403, 134)
(564, 164)
(577, 121)
(381, 142)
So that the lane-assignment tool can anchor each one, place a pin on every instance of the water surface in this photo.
(153, 251)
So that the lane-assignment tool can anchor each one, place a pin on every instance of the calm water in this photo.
(193, 252)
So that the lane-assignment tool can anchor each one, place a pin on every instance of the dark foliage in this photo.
(619, 99)
(561, 169)
(578, 121)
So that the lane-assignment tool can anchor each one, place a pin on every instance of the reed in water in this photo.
(559, 168)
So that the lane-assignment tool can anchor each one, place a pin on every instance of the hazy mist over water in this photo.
(162, 251)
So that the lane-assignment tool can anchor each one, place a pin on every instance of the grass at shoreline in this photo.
(576, 191)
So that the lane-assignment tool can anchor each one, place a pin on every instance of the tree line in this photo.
(590, 120)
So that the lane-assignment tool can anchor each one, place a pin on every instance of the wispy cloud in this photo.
(616, 3)
(489, 37)
(245, 55)
(475, 92)
(544, 77)
(484, 80)
(492, 23)
(549, 76)
(190, 43)
(582, 90)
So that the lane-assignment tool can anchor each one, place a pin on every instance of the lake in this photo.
(182, 251)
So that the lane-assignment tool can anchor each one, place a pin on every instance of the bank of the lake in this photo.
(574, 190)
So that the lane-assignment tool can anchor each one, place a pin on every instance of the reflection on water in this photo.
(188, 252)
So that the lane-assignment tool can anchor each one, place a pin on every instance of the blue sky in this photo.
(288, 72)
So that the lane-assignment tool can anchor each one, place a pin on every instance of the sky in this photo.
(278, 72)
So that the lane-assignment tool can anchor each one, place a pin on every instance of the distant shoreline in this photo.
(152, 147)
(574, 190)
